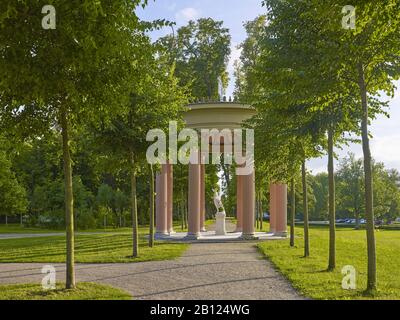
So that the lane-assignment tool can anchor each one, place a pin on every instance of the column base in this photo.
(162, 233)
(171, 232)
(282, 234)
(248, 237)
(238, 229)
(203, 230)
(192, 236)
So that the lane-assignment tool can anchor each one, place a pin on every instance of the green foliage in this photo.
(13, 198)
(200, 51)
(351, 187)
(48, 205)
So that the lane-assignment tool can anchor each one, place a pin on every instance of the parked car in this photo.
(363, 221)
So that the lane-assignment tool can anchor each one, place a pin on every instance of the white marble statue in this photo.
(217, 202)
(220, 229)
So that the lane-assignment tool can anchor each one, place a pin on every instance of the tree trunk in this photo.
(135, 239)
(21, 222)
(293, 210)
(332, 209)
(186, 211)
(369, 209)
(357, 216)
(256, 222)
(261, 213)
(182, 210)
(305, 211)
(151, 237)
(69, 203)
(6, 220)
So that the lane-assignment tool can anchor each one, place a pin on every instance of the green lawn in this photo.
(310, 277)
(90, 248)
(84, 291)
(17, 228)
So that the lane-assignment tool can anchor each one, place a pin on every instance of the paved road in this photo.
(206, 271)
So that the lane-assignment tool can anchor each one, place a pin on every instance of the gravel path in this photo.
(232, 271)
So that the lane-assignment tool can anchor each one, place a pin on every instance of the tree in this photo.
(245, 68)
(292, 210)
(151, 236)
(105, 197)
(200, 50)
(350, 180)
(13, 199)
(369, 64)
(363, 60)
(155, 99)
(66, 76)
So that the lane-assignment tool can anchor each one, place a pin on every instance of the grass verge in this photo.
(310, 277)
(90, 248)
(84, 291)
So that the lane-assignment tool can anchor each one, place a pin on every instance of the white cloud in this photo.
(186, 14)
(385, 149)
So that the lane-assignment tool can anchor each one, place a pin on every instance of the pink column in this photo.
(272, 208)
(203, 198)
(281, 210)
(161, 202)
(194, 201)
(239, 203)
(248, 205)
(170, 195)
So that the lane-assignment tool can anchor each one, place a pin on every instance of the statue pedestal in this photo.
(220, 229)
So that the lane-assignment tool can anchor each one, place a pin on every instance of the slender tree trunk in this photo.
(256, 222)
(135, 249)
(69, 202)
(21, 222)
(186, 212)
(305, 211)
(293, 210)
(182, 210)
(332, 209)
(357, 215)
(261, 213)
(6, 220)
(151, 237)
(369, 208)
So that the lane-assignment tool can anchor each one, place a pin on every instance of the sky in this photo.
(385, 144)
